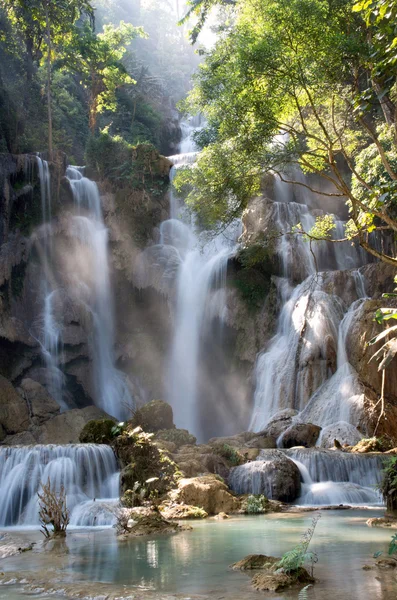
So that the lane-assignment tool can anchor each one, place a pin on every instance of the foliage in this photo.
(388, 485)
(53, 511)
(306, 70)
(101, 431)
(232, 455)
(293, 560)
(147, 466)
(256, 504)
(251, 277)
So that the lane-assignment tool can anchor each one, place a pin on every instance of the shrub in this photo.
(53, 511)
(256, 504)
(101, 431)
(388, 485)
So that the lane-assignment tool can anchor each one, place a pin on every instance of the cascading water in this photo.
(112, 392)
(88, 473)
(200, 298)
(328, 477)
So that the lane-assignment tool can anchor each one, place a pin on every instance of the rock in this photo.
(240, 439)
(153, 524)
(387, 522)
(300, 434)
(276, 581)
(221, 517)
(341, 431)
(41, 404)
(14, 413)
(183, 511)
(279, 423)
(97, 432)
(254, 561)
(274, 475)
(154, 416)
(10, 546)
(179, 437)
(66, 427)
(262, 442)
(206, 492)
(386, 563)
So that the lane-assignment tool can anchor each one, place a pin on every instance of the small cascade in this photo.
(200, 296)
(88, 473)
(51, 331)
(328, 477)
(93, 283)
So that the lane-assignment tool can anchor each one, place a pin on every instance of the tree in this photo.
(301, 68)
(97, 59)
(45, 25)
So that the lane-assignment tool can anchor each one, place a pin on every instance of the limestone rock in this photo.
(274, 475)
(208, 493)
(300, 434)
(254, 561)
(183, 511)
(154, 416)
(14, 413)
(342, 431)
(66, 427)
(41, 404)
(279, 423)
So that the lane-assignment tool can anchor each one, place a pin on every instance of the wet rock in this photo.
(14, 412)
(279, 423)
(42, 406)
(276, 581)
(153, 524)
(274, 475)
(300, 434)
(207, 492)
(254, 561)
(386, 522)
(343, 432)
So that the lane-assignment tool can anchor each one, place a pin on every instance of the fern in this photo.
(303, 593)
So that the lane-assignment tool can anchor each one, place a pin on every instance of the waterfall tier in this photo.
(88, 472)
(327, 477)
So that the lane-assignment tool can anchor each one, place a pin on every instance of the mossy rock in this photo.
(154, 416)
(97, 432)
(183, 511)
(179, 437)
(229, 453)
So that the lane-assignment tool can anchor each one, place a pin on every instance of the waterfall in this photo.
(305, 365)
(88, 473)
(328, 477)
(51, 334)
(200, 298)
(112, 391)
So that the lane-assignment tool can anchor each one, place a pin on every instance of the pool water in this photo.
(197, 562)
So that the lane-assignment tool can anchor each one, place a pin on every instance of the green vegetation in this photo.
(292, 561)
(256, 504)
(306, 84)
(252, 274)
(388, 485)
(232, 455)
(102, 431)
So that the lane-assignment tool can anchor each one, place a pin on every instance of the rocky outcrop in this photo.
(14, 411)
(42, 406)
(300, 434)
(279, 423)
(207, 492)
(154, 416)
(274, 475)
(342, 432)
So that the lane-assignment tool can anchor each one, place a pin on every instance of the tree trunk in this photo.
(49, 99)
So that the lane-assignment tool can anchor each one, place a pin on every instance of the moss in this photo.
(229, 453)
(255, 504)
(98, 432)
(154, 416)
(179, 437)
(252, 274)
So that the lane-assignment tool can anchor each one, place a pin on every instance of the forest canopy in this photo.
(296, 86)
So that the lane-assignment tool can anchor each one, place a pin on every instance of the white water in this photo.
(88, 473)
(200, 298)
(328, 477)
(93, 284)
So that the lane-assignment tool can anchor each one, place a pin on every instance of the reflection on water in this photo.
(197, 561)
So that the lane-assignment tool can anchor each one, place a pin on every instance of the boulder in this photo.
(179, 437)
(300, 434)
(183, 511)
(275, 476)
(97, 432)
(255, 561)
(279, 423)
(206, 492)
(66, 427)
(341, 431)
(14, 412)
(42, 405)
(154, 416)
